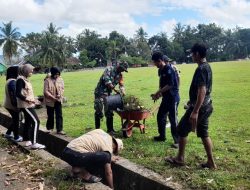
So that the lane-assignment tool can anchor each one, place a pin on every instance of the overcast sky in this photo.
(124, 16)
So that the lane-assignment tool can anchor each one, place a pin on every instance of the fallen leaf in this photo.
(210, 180)
(11, 179)
(39, 171)
(6, 183)
(32, 188)
(41, 186)
(9, 166)
(37, 180)
(13, 171)
(169, 178)
(28, 158)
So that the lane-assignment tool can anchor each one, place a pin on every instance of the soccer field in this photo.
(229, 123)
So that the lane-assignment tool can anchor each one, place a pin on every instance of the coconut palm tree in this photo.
(113, 49)
(52, 29)
(9, 38)
(141, 35)
(52, 50)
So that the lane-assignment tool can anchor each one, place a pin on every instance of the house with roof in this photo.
(3, 68)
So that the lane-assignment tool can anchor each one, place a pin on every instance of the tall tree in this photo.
(243, 36)
(160, 42)
(30, 42)
(52, 50)
(9, 38)
(52, 29)
(93, 43)
(211, 35)
(113, 49)
(141, 35)
(178, 33)
(121, 42)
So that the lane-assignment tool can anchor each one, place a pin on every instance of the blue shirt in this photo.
(168, 77)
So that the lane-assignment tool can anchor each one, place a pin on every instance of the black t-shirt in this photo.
(168, 77)
(202, 77)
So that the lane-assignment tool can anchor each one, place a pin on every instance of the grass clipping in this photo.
(132, 103)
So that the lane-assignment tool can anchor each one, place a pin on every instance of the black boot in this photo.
(109, 123)
(97, 122)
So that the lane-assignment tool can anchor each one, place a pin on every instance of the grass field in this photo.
(229, 124)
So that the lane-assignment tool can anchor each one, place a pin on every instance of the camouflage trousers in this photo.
(99, 108)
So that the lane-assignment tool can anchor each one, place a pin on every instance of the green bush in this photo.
(91, 64)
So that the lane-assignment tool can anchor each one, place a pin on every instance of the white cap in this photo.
(119, 144)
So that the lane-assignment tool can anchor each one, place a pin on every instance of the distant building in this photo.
(3, 68)
(72, 63)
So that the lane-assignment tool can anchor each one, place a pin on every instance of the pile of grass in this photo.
(132, 103)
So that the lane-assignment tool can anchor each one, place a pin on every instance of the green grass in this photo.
(229, 124)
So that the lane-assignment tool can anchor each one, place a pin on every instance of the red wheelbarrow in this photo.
(130, 119)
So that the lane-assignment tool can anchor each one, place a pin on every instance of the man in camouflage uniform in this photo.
(109, 79)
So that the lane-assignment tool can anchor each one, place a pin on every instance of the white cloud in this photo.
(168, 26)
(100, 15)
(192, 22)
(226, 13)
(230, 14)
(105, 16)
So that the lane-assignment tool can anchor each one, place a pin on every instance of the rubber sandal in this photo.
(69, 177)
(92, 179)
(206, 165)
(75, 175)
(173, 161)
(72, 176)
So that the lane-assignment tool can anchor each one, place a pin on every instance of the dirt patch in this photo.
(20, 171)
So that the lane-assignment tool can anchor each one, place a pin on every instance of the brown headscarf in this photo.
(25, 69)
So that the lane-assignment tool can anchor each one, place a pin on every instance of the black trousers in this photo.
(14, 126)
(57, 109)
(86, 160)
(168, 106)
(31, 125)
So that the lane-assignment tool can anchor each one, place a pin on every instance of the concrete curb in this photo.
(127, 175)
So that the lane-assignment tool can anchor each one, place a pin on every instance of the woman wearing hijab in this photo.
(53, 94)
(10, 103)
(26, 102)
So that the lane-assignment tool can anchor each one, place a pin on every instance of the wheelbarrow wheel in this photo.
(127, 128)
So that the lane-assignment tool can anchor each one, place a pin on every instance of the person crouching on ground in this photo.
(26, 102)
(53, 94)
(93, 149)
(10, 103)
